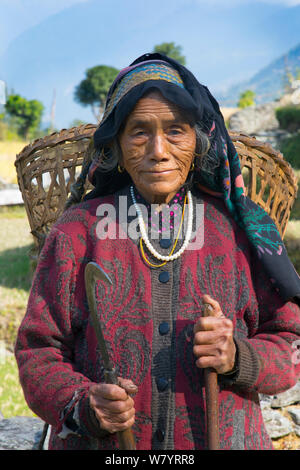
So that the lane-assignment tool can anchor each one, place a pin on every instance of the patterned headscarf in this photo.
(179, 86)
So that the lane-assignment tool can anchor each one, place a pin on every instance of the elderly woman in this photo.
(169, 223)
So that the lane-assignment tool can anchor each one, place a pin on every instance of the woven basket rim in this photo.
(251, 141)
(71, 135)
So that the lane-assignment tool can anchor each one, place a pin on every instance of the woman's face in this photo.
(158, 146)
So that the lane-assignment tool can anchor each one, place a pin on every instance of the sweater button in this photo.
(164, 328)
(160, 435)
(162, 384)
(164, 276)
(165, 243)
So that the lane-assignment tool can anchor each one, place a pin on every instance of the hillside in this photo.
(267, 83)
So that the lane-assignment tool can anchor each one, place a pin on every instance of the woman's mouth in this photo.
(160, 172)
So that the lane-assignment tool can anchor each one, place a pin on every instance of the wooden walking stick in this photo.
(212, 400)
(92, 273)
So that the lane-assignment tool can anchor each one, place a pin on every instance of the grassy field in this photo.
(16, 242)
(12, 402)
(15, 275)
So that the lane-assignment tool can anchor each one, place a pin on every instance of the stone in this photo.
(276, 424)
(20, 433)
(289, 397)
(254, 119)
(294, 412)
(265, 400)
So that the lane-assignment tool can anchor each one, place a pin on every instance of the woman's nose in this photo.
(159, 148)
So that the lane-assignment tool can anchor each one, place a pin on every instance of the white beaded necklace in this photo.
(145, 236)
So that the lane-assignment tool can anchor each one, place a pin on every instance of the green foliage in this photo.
(26, 114)
(7, 133)
(289, 117)
(292, 242)
(171, 50)
(246, 99)
(290, 147)
(295, 212)
(293, 250)
(93, 89)
(15, 270)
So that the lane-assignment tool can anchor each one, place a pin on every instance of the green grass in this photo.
(15, 271)
(12, 212)
(292, 243)
(12, 402)
(289, 117)
(15, 280)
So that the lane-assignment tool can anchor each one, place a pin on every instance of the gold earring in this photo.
(120, 169)
(192, 166)
(199, 155)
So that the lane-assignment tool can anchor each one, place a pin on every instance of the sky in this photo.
(18, 16)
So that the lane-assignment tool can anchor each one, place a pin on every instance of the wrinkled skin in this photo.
(213, 340)
(113, 405)
(158, 145)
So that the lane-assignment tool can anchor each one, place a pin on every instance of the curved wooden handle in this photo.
(126, 440)
(212, 408)
(212, 400)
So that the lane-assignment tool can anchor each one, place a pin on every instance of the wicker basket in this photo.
(47, 168)
(269, 179)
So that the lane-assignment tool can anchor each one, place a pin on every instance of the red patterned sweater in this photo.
(57, 353)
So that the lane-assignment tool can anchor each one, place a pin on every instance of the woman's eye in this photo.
(175, 131)
(139, 133)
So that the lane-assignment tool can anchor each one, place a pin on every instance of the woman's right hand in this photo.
(113, 405)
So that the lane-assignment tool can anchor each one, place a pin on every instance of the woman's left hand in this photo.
(213, 340)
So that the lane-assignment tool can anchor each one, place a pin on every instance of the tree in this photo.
(246, 99)
(93, 89)
(171, 50)
(26, 114)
